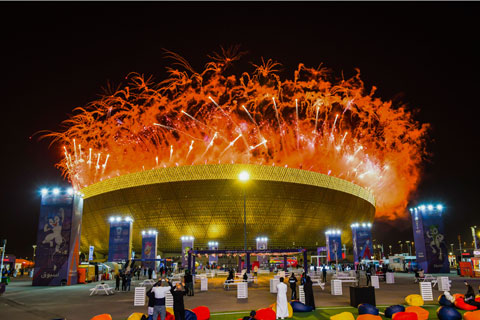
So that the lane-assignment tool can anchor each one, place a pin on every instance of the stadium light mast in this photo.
(244, 177)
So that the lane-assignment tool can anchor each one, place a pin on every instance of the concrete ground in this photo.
(22, 301)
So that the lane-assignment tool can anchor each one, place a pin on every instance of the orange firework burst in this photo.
(311, 123)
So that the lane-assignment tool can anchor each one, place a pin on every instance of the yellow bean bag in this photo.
(170, 310)
(368, 317)
(135, 316)
(290, 310)
(343, 316)
(472, 315)
(422, 314)
(104, 316)
(415, 300)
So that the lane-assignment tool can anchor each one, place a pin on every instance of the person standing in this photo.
(178, 307)
(282, 303)
(129, 281)
(308, 289)
(117, 282)
(150, 273)
(470, 296)
(124, 281)
(369, 275)
(189, 282)
(324, 274)
(159, 304)
(293, 286)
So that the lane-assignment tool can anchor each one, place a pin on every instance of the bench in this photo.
(102, 287)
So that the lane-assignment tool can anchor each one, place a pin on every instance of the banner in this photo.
(149, 249)
(262, 244)
(90, 253)
(428, 232)
(362, 243)
(120, 243)
(187, 245)
(58, 239)
(213, 258)
(334, 246)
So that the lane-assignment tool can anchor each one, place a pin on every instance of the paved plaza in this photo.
(22, 301)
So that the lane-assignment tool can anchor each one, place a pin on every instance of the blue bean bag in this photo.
(190, 315)
(390, 311)
(443, 301)
(366, 308)
(448, 313)
(297, 306)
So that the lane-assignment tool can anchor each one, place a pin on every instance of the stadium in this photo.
(291, 207)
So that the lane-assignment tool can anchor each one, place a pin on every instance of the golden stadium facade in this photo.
(292, 207)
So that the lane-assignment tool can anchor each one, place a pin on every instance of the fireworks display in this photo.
(311, 122)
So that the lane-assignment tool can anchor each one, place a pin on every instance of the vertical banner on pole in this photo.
(91, 249)
(187, 244)
(213, 258)
(120, 243)
(149, 248)
(262, 244)
(58, 238)
(334, 245)
(428, 232)
(362, 241)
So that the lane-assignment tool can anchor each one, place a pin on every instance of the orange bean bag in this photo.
(422, 314)
(460, 304)
(458, 295)
(104, 316)
(477, 298)
(472, 315)
(368, 317)
(265, 314)
(202, 312)
(405, 316)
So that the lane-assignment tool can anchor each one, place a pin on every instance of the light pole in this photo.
(34, 248)
(244, 177)
(474, 236)
(409, 248)
(390, 247)
(401, 246)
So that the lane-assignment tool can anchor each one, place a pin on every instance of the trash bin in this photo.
(359, 295)
(2, 288)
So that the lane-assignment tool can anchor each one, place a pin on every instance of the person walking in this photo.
(324, 274)
(293, 286)
(117, 282)
(282, 303)
(178, 307)
(159, 305)
(369, 275)
(308, 289)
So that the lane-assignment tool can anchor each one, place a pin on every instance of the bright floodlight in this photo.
(56, 191)
(118, 219)
(244, 176)
(430, 207)
(439, 207)
(44, 191)
(112, 219)
(143, 232)
(70, 191)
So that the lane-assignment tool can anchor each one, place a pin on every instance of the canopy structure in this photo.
(267, 252)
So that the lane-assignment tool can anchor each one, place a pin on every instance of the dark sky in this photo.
(57, 56)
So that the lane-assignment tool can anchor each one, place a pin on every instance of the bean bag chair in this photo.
(168, 316)
(170, 310)
(443, 301)
(405, 316)
(202, 312)
(448, 313)
(390, 311)
(422, 314)
(265, 314)
(189, 315)
(477, 298)
(460, 304)
(472, 315)
(274, 308)
(414, 300)
(367, 316)
(104, 316)
(343, 316)
(297, 306)
(458, 295)
(366, 308)
(136, 316)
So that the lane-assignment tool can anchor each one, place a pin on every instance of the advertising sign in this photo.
(187, 245)
(149, 249)
(362, 243)
(58, 239)
(119, 246)
(430, 246)
(334, 246)
(90, 253)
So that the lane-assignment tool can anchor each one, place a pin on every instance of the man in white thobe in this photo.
(282, 303)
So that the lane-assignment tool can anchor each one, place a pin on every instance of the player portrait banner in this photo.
(428, 232)
(213, 258)
(362, 243)
(120, 242)
(334, 247)
(58, 239)
(187, 245)
(149, 249)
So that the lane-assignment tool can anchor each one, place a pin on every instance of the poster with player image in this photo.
(149, 249)
(334, 247)
(428, 231)
(187, 245)
(362, 243)
(120, 242)
(58, 240)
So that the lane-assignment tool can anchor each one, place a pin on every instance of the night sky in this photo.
(57, 56)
